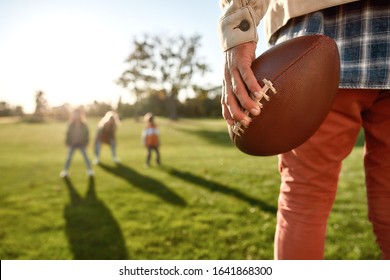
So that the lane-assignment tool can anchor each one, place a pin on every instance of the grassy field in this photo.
(207, 201)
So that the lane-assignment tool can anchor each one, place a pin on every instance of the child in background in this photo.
(106, 134)
(77, 137)
(151, 138)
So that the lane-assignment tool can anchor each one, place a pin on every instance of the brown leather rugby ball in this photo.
(300, 78)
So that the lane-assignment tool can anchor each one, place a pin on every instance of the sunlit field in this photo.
(207, 200)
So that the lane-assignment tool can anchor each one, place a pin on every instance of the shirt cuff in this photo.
(237, 28)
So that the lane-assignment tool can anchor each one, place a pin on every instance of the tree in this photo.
(98, 108)
(207, 103)
(41, 106)
(166, 64)
(5, 109)
(19, 111)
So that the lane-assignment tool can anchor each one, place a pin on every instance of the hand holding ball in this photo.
(300, 78)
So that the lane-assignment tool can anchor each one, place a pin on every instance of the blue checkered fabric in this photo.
(362, 32)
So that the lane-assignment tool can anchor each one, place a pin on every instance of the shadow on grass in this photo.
(92, 231)
(216, 187)
(145, 183)
(220, 138)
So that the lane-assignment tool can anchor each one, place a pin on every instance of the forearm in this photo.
(239, 21)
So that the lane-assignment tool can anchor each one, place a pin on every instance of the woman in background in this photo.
(106, 134)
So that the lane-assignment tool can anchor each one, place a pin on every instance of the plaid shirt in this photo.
(362, 32)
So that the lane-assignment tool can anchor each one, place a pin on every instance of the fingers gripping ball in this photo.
(300, 78)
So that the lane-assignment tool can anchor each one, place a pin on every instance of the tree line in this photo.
(205, 104)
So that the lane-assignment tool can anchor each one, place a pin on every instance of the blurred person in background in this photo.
(151, 139)
(77, 137)
(105, 134)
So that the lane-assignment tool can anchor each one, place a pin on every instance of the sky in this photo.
(74, 50)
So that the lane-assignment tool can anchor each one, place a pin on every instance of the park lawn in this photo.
(207, 200)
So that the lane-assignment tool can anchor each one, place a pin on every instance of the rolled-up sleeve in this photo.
(239, 21)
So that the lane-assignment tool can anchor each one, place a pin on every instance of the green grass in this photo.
(207, 201)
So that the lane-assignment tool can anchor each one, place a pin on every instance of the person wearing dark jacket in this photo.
(77, 137)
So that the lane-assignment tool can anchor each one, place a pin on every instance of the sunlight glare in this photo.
(69, 58)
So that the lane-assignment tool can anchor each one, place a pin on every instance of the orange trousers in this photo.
(310, 175)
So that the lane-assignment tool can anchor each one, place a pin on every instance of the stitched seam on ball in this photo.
(236, 128)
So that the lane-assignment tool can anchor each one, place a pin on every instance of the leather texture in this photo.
(305, 71)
